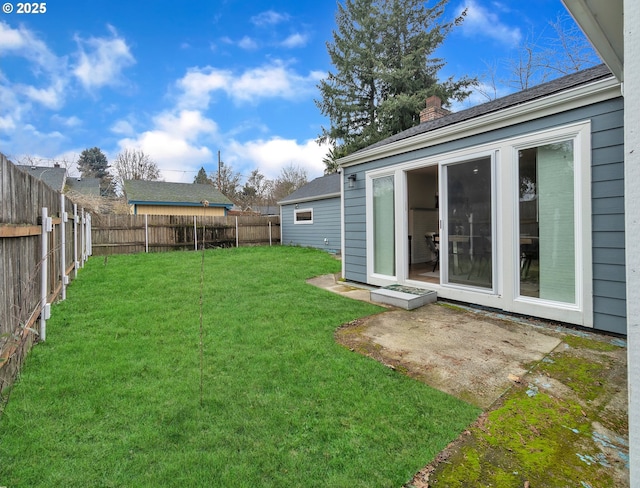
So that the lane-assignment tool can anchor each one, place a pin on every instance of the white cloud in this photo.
(101, 60)
(22, 42)
(175, 143)
(271, 155)
(43, 64)
(269, 17)
(70, 122)
(480, 21)
(295, 40)
(274, 80)
(247, 43)
(51, 97)
(123, 127)
(198, 83)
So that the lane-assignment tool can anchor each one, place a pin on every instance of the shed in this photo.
(162, 198)
(310, 216)
(84, 186)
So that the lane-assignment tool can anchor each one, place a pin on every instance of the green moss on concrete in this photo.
(579, 342)
(586, 378)
(534, 436)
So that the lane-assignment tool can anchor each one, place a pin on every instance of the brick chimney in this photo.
(434, 110)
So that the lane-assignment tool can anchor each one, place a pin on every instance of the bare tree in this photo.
(134, 164)
(291, 178)
(541, 58)
(227, 181)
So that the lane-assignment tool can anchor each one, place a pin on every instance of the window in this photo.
(384, 256)
(547, 222)
(303, 216)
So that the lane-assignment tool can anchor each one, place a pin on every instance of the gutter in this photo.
(309, 199)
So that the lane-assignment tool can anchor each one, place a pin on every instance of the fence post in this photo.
(47, 225)
(269, 233)
(237, 234)
(76, 264)
(146, 233)
(195, 234)
(82, 234)
(63, 246)
(89, 237)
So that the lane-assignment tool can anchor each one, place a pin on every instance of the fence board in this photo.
(125, 234)
(22, 198)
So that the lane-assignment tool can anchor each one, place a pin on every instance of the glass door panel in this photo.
(384, 256)
(469, 223)
(547, 216)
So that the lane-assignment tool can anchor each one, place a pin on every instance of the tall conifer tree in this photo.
(382, 52)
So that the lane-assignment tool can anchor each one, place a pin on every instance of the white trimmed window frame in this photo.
(507, 256)
(301, 211)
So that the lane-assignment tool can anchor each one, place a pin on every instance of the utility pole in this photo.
(219, 169)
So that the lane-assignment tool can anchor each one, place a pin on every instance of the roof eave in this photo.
(309, 199)
(178, 204)
(602, 23)
(594, 92)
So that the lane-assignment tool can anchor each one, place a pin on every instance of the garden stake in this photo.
(205, 204)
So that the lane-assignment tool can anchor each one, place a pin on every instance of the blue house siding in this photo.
(607, 193)
(607, 186)
(326, 225)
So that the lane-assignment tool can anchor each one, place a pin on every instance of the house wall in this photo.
(326, 224)
(607, 172)
(177, 210)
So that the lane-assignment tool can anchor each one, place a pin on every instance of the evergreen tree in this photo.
(92, 163)
(202, 177)
(384, 70)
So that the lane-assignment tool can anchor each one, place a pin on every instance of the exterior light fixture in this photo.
(352, 180)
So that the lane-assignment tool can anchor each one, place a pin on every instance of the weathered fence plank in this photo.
(26, 286)
(125, 234)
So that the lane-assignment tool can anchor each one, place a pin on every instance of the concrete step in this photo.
(403, 297)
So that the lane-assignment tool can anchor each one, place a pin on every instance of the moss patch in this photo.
(585, 377)
(545, 437)
(586, 343)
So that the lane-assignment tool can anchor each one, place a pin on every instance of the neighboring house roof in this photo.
(543, 90)
(180, 194)
(323, 187)
(84, 186)
(51, 176)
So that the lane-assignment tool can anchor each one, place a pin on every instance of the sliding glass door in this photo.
(468, 239)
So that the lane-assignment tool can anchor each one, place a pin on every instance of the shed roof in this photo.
(51, 176)
(322, 187)
(86, 186)
(545, 89)
(182, 194)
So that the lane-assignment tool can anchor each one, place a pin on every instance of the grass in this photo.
(113, 397)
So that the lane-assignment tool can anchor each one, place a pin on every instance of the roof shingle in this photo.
(188, 194)
(320, 187)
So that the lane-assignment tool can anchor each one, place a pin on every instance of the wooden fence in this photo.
(44, 239)
(124, 234)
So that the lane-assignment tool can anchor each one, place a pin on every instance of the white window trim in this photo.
(580, 134)
(302, 222)
(375, 278)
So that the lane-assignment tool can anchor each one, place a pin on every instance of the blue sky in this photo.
(184, 80)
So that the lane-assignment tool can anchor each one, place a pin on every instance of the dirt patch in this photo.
(472, 357)
(555, 400)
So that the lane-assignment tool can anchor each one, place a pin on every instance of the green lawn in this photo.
(113, 397)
